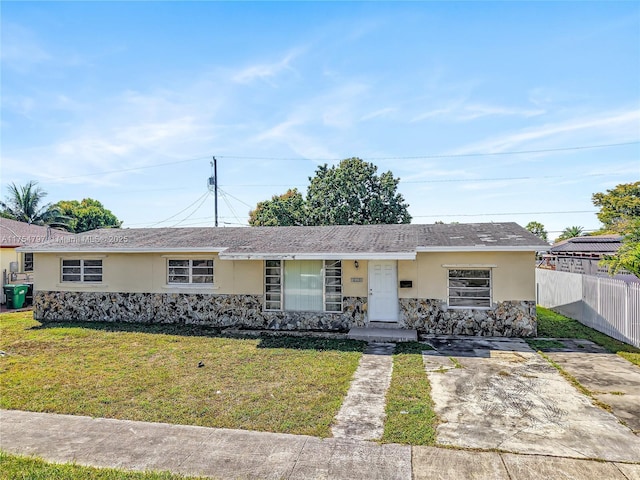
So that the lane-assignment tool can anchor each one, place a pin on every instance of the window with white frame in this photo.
(189, 271)
(28, 262)
(81, 270)
(273, 285)
(469, 288)
(303, 285)
(333, 285)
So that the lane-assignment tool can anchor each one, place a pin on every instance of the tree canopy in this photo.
(86, 215)
(619, 207)
(350, 193)
(24, 204)
(628, 255)
(287, 209)
(620, 213)
(538, 230)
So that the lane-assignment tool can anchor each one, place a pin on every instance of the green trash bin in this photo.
(16, 295)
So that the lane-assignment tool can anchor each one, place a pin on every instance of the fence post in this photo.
(627, 319)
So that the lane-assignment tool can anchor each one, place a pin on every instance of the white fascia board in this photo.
(318, 256)
(469, 265)
(482, 248)
(122, 250)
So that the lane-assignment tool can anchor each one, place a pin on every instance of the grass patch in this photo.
(574, 381)
(552, 324)
(276, 384)
(17, 466)
(455, 362)
(410, 416)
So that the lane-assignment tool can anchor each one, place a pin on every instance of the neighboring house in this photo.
(583, 255)
(18, 267)
(473, 279)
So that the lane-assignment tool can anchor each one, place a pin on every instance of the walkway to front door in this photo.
(362, 413)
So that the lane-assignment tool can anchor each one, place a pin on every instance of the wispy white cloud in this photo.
(290, 134)
(133, 130)
(381, 113)
(460, 111)
(493, 185)
(305, 126)
(21, 50)
(472, 112)
(446, 110)
(614, 126)
(431, 171)
(267, 71)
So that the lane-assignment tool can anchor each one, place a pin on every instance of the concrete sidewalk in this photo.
(238, 454)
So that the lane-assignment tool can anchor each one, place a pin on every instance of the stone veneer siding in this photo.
(506, 319)
(244, 311)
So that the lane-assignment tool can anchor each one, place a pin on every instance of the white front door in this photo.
(383, 291)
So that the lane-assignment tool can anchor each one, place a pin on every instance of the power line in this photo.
(184, 209)
(503, 213)
(455, 155)
(231, 209)
(132, 169)
(235, 198)
(456, 180)
(415, 157)
(194, 210)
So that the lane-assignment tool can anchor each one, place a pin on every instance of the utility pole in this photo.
(213, 182)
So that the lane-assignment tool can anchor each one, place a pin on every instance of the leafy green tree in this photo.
(538, 230)
(628, 255)
(618, 207)
(287, 209)
(570, 232)
(24, 204)
(353, 194)
(86, 215)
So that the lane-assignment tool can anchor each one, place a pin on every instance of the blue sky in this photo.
(127, 102)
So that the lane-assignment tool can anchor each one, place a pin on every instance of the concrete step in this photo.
(383, 334)
(374, 324)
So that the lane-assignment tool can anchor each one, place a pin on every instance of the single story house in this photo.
(17, 267)
(474, 279)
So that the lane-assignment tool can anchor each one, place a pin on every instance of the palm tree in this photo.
(570, 232)
(23, 204)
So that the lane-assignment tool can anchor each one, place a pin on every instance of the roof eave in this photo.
(319, 256)
(123, 250)
(485, 248)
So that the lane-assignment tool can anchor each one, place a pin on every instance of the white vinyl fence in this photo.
(607, 305)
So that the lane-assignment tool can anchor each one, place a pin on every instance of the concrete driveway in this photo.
(499, 393)
(612, 379)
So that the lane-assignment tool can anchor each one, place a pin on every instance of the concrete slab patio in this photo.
(508, 397)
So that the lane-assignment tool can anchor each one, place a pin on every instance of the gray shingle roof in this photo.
(16, 234)
(242, 242)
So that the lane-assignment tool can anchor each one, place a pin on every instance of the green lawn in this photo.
(552, 324)
(276, 384)
(410, 416)
(13, 467)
